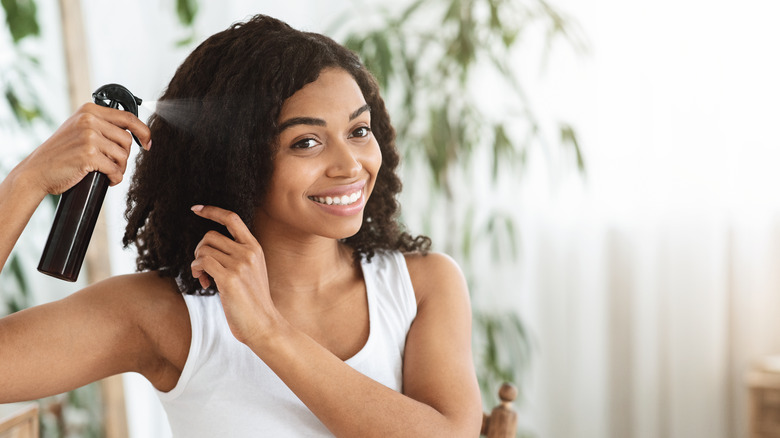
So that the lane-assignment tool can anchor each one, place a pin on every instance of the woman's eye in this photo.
(306, 143)
(362, 131)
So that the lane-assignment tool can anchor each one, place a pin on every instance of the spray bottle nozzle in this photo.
(116, 96)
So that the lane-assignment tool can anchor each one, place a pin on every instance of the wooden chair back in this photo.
(19, 420)
(502, 421)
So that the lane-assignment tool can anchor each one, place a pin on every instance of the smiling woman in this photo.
(280, 295)
(253, 90)
(327, 162)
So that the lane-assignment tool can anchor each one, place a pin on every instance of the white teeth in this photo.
(338, 200)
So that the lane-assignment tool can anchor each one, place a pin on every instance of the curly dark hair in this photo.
(215, 133)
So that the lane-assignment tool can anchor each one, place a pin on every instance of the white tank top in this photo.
(225, 390)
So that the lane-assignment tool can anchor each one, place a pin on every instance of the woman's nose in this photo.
(344, 160)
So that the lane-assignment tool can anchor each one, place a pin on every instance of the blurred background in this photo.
(604, 172)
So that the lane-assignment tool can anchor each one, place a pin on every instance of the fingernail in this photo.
(149, 145)
(197, 208)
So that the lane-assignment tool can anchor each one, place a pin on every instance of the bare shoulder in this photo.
(434, 272)
(152, 302)
(144, 290)
(430, 365)
(135, 295)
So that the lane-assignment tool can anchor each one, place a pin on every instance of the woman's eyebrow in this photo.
(313, 121)
(359, 111)
(301, 121)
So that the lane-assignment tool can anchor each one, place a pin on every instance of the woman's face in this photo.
(326, 163)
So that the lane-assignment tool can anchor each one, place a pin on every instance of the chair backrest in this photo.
(19, 420)
(502, 421)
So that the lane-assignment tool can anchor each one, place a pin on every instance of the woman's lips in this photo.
(347, 199)
(342, 201)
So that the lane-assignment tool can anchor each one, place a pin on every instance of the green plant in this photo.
(186, 11)
(22, 23)
(24, 107)
(433, 59)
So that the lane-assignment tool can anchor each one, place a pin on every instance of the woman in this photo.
(278, 295)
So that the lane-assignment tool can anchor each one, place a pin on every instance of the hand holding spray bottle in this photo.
(79, 206)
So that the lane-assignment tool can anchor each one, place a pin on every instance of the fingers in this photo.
(220, 265)
(104, 136)
(124, 120)
(226, 260)
(115, 134)
(105, 147)
(220, 248)
(229, 219)
(202, 267)
(114, 170)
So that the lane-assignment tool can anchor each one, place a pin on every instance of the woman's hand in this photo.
(93, 138)
(238, 268)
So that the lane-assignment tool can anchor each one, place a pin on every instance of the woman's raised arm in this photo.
(62, 345)
(94, 138)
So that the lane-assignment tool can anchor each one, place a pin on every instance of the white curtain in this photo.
(652, 283)
(648, 330)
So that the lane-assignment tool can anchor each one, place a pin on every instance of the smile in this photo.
(338, 200)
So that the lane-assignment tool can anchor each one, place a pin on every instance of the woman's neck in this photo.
(305, 266)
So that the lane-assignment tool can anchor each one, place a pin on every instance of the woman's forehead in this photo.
(334, 92)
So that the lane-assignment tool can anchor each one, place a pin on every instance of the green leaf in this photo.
(383, 66)
(437, 144)
(185, 41)
(31, 59)
(410, 10)
(24, 113)
(509, 37)
(511, 236)
(186, 10)
(495, 18)
(21, 18)
(14, 306)
(468, 231)
(569, 137)
(355, 44)
(54, 200)
(502, 148)
(462, 49)
(453, 12)
(504, 236)
(376, 53)
(18, 274)
(507, 346)
(491, 349)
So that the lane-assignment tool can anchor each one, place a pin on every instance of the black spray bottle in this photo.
(78, 209)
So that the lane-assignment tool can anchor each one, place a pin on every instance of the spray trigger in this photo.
(119, 97)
